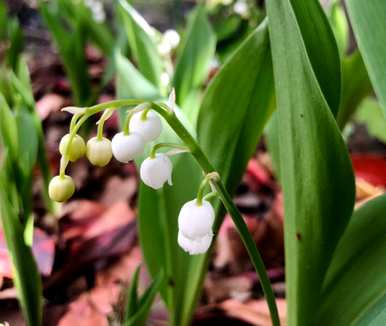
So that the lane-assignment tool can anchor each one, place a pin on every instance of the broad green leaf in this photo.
(130, 83)
(272, 138)
(355, 87)
(140, 37)
(194, 58)
(315, 169)
(26, 276)
(322, 50)
(324, 57)
(232, 116)
(368, 19)
(355, 286)
(370, 114)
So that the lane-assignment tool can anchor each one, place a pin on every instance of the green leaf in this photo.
(8, 129)
(322, 50)
(235, 108)
(146, 301)
(197, 51)
(132, 300)
(70, 42)
(370, 114)
(16, 43)
(355, 286)
(140, 37)
(315, 169)
(355, 87)
(130, 83)
(28, 141)
(368, 20)
(339, 25)
(26, 276)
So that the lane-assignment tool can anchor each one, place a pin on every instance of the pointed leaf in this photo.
(197, 52)
(132, 300)
(315, 169)
(322, 50)
(143, 47)
(356, 277)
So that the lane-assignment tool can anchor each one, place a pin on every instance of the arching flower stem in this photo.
(156, 147)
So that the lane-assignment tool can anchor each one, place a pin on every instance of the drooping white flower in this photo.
(195, 221)
(127, 147)
(77, 147)
(149, 127)
(172, 37)
(241, 8)
(195, 246)
(156, 171)
(61, 188)
(99, 151)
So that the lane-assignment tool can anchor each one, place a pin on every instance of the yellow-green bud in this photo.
(99, 151)
(77, 148)
(61, 188)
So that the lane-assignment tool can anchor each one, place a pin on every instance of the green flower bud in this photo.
(77, 148)
(99, 151)
(61, 188)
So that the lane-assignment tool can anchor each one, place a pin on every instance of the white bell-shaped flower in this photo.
(61, 188)
(127, 147)
(194, 220)
(156, 171)
(77, 147)
(149, 127)
(195, 246)
(99, 151)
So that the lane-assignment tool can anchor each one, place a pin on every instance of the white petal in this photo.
(74, 109)
(149, 129)
(195, 246)
(196, 221)
(156, 171)
(127, 147)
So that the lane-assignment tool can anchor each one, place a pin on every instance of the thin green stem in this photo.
(201, 189)
(126, 123)
(144, 114)
(156, 147)
(211, 195)
(100, 130)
